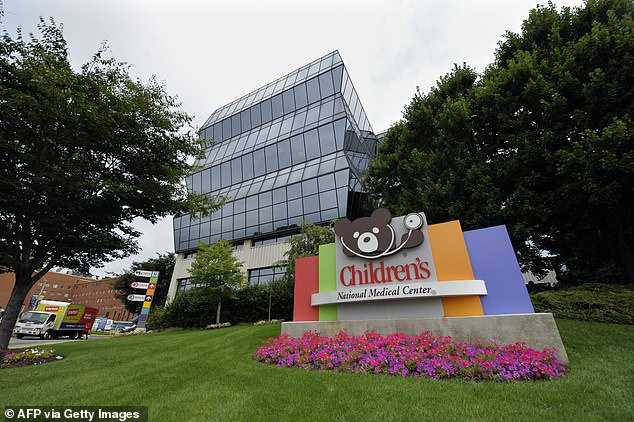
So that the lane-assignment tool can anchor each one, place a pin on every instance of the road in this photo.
(34, 341)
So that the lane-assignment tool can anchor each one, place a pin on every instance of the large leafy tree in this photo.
(541, 142)
(217, 270)
(82, 153)
(163, 263)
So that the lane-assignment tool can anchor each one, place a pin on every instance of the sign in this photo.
(384, 267)
(146, 298)
(380, 258)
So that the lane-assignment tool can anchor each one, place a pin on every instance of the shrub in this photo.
(589, 302)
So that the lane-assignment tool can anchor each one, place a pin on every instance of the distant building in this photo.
(294, 150)
(69, 288)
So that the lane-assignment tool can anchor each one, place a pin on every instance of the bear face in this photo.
(366, 237)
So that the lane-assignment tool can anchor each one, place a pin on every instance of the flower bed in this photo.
(28, 357)
(425, 355)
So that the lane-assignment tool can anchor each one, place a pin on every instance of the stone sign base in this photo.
(538, 331)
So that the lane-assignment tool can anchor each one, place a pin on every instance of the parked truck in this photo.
(52, 319)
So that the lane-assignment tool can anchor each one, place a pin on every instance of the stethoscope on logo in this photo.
(368, 242)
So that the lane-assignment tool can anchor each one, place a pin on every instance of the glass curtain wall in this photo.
(294, 150)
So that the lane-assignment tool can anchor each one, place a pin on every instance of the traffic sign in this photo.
(137, 285)
(136, 298)
(143, 273)
(151, 286)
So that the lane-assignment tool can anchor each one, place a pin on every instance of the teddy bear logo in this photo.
(374, 237)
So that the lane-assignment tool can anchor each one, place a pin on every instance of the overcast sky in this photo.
(209, 53)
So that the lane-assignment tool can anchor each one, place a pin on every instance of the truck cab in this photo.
(35, 323)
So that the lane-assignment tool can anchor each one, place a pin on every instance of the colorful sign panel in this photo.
(392, 268)
(150, 288)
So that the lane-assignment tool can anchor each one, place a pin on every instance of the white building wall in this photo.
(251, 257)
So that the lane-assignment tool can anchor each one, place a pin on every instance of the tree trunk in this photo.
(218, 310)
(23, 283)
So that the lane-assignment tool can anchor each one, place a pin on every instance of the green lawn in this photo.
(209, 375)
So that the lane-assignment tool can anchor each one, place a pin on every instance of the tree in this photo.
(306, 244)
(164, 263)
(82, 153)
(215, 268)
(541, 142)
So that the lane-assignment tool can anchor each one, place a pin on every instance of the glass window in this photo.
(238, 205)
(258, 162)
(312, 116)
(276, 105)
(337, 75)
(311, 141)
(271, 158)
(247, 166)
(297, 149)
(311, 203)
(274, 130)
(256, 119)
(245, 120)
(295, 207)
(252, 202)
(301, 98)
(299, 121)
(282, 178)
(340, 132)
(227, 224)
(296, 174)
(235, 125)
(225, 172)
(252, 217)
(328, 199)
(279, 195)
(284, 153)
(266, 214)
(294, 191)
(326, 182)
(267, 113)
(311, 171)
(289, 101)
(236, 170)
(226, 129)
(197, 182)
(286, 125)
(309, 187)
(325, 82)
(218, 132)
(327, 139)
(326, 110)
(312, 88)
(205, 229)
(265, 198)
(279, 211)
(238, 220)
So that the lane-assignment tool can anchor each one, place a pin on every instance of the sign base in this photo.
(538, 331)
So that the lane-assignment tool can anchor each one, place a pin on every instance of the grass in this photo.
(209, 375)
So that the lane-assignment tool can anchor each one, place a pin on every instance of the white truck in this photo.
(52, 319)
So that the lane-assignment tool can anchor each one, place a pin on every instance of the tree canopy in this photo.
(216, 269)
(82, 153)
(540, 141)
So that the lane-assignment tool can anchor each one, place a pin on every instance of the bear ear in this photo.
(342, 227)
(381, 215)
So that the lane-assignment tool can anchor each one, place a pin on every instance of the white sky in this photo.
(211, 52)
